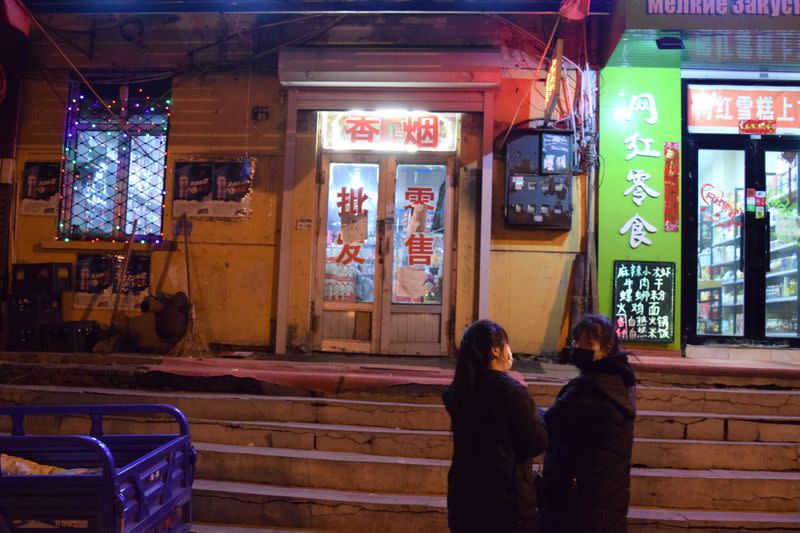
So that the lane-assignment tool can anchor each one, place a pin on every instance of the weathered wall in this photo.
(234, 263)
(530, 269)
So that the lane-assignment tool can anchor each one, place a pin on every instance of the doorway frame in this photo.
(479, 101)
(383, 307)
(754, 147)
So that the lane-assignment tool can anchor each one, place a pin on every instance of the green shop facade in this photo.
(698, 224)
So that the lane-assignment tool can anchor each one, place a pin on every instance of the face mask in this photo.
(508, 363)
(582, 358)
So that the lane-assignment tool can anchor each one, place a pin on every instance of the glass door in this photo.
(747, 238)
(384, 254)
(418, 289)
(349, 251)
(783, 218)
(721, 261)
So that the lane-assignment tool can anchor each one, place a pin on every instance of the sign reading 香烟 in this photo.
(644, 298)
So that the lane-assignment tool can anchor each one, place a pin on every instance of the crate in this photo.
(34, 310)
(77, 336)
(25, 338)
(38, 278)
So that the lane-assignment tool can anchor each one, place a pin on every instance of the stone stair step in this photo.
(718, 489)
(245, 407)
(703, 455)
(313, 468)
(717, 426)
(647, 452)
(655, 520)
(349, 511)
(219, 528)
(715, 489)
(323, 509)
(739, 401)
(669, 423)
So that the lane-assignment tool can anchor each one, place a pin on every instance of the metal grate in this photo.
(115, 151)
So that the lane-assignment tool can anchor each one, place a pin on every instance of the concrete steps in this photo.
(215, 528)
(778, 423)
(348, 511)
(726, 461)
(212, 528)
(648, 451)
(708, 489)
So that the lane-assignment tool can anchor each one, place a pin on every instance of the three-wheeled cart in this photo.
(136, 483)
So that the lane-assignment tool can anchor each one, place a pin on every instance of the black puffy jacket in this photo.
(588, 459)
(490, 483)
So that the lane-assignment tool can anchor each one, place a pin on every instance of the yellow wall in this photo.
(530, 269)
(233, 262)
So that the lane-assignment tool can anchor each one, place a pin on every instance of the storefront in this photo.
(383, 236)
(339, 196)
(706, 124)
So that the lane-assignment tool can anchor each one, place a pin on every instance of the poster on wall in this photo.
(97, 276)
(644, 301)
(217, 189)
(40, 189)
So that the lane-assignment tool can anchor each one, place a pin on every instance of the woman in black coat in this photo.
(496, 434)
(588, 459)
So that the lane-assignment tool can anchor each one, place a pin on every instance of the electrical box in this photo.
(539, 179)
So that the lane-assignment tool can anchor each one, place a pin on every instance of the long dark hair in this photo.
(472, 365)
(597, 328)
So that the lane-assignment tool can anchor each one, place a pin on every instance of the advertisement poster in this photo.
(97, 276)
(219, 189)
(40, 189)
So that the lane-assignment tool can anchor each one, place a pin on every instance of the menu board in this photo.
(644, 301)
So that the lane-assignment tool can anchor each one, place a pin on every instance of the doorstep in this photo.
(744, 353)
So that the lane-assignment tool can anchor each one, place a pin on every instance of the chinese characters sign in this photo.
(639, 190)
(351, 233)
(642, 109)
(743, 109)
(389, 130)
(418, 260)
(644, 301)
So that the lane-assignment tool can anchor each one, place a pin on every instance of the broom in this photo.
(192, 343)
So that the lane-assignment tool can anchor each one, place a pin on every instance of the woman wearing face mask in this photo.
(588, 459)
(496, 434)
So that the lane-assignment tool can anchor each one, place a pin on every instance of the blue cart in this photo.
(138, 483)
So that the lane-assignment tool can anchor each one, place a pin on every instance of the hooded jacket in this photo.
(588, 459)
(490, 482)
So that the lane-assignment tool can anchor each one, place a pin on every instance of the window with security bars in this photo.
(115, 150)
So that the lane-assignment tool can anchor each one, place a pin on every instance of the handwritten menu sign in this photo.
(644, 301)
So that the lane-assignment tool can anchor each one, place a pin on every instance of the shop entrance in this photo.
(744, 223)
(383, 247)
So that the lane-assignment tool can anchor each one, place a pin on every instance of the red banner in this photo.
(672, 187)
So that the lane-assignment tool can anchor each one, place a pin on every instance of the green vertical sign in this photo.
(640, 111)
